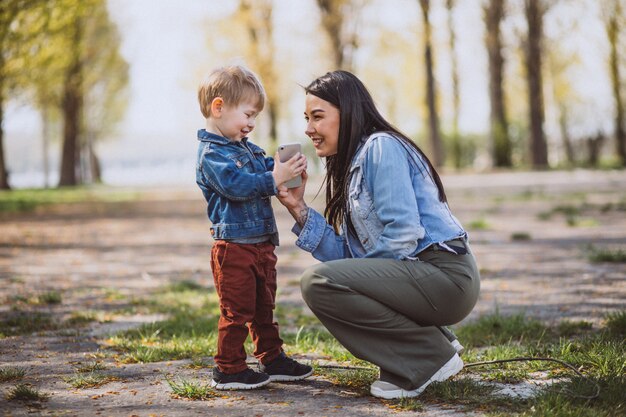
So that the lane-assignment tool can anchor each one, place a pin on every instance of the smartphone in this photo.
(286, 152)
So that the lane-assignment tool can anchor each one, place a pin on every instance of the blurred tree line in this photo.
(511, 142)
(63, 57)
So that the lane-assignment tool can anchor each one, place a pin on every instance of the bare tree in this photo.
(72, 104)
(613, 27)
(456, 140)
(336, 17)
(431, 93)
(257, 16)
(493, 14)
(535, 11)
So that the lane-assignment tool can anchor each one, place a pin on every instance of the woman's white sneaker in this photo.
(389, 391)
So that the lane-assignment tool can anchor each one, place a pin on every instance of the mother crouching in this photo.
(396, 264)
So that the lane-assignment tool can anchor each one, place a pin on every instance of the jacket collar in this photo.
(204, 136)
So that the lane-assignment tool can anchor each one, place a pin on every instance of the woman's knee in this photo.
(311, 280)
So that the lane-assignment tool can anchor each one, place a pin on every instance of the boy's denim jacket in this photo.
(237, 183)
(393, 203)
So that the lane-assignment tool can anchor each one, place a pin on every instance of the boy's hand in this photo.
(284, 171)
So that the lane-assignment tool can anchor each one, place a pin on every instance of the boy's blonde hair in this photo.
(234, 84)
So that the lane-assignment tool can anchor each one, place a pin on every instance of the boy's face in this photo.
(236, 122)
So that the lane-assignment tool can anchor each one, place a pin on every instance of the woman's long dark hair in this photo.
(358, 118)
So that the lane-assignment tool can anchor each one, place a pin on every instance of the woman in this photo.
(395, 261)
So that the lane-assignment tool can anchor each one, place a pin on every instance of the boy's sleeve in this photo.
(233, 183)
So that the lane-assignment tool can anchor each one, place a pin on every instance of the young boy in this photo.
(238, 181)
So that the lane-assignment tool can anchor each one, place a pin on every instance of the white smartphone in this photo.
(286, 152)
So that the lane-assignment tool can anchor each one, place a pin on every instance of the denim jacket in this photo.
(394, 207)
(237, 183)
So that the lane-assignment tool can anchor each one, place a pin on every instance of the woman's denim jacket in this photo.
(237, 183)
(393, 203)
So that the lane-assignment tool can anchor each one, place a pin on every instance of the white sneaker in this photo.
(389, 391)
(457, 346)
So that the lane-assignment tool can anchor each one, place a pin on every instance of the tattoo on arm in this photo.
(302, 216)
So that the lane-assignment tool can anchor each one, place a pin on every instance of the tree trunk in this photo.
(594, 144)
(499, 130)
(456, 140)
(538, 145)
(567, 142)
(431, 99)
(613, 32)
(343, 42)
(45, 139)
(4, 174)
(72, 109)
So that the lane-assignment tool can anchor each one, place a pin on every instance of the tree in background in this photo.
(493, 14)
(94, 72)
(456, 139)
(431, 94)
(613, 23)
(260, 51)
(535, 11)
(339, 20)
(15, 40)
(105, 80)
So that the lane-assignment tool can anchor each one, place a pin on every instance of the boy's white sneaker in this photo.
(389, 391)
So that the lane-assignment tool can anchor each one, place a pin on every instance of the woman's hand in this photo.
(293, 199)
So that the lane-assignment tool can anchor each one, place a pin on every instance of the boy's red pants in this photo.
(245, 280)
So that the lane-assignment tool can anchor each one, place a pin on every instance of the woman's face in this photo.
(322, 125)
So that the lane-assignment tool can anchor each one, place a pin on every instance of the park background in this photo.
(457, 76)
(107, 303)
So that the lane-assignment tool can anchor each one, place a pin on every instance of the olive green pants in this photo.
(387, 311)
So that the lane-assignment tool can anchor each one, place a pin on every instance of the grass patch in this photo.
(50, 297)
(89, 380)
(520, 236)
(26, 393)
(29, 199)
(479, 224)
(616, 322)
(11, 373)
(189, 332)
(358, 380)
(497, 329)
(596, 254)
(82, 318)
(191, 390)
(91, 367)
(599, 355)
(568, 328)
(20, 322)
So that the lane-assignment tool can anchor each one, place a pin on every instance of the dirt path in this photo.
(87, 251)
